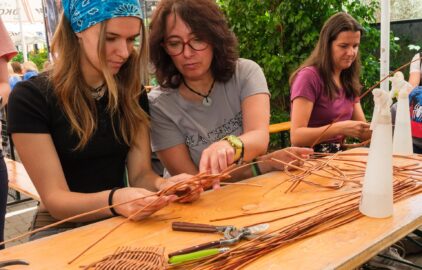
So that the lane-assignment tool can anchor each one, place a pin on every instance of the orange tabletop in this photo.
(342, 248)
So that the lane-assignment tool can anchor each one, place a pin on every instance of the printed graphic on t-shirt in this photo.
(415, 106)
(216, 134)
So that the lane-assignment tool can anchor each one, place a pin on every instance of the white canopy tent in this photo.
(33, 33)
(24, 19)
(32, 11)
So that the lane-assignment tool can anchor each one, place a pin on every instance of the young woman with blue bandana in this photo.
(78, 127)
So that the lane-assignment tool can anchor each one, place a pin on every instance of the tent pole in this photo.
(23, 43)
(385, 43)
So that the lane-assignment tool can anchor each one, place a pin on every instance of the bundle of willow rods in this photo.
(326, 214)
(182, 189)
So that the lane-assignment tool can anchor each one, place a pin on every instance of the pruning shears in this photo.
(232, 235)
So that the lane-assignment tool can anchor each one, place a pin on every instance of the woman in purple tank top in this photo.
(325, 89)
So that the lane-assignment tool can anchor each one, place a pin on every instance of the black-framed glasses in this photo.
(175, 46)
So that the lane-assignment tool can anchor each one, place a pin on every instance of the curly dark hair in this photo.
(207, 22)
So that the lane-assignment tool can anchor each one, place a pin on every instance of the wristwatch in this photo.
(237, 144)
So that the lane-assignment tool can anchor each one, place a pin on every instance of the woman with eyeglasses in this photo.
(82, 129)
(211, 108)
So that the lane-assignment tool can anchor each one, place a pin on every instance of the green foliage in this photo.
(280, 35)
(37, 57)
(18, 58)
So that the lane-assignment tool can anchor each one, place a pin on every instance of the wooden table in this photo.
(20, 181)
(342, 248)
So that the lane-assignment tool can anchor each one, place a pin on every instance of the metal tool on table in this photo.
(13, 262)
(231, 234)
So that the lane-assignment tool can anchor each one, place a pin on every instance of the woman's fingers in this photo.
(216, 184)
(144, 202)
(193, 196)
(154, 203)
(149, 206)
(204, 163)
(222, 160)
(303, 152)
(217, 157)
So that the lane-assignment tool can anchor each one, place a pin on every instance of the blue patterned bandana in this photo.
(83, 14)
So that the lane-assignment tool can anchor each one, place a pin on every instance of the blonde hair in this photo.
(29, 66)
(74, 95)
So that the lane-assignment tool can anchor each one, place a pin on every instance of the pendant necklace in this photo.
(98, 93)
(207, 101)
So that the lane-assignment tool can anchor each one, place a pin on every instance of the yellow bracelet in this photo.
(237, 144)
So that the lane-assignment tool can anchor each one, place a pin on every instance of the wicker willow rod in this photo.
(286, 208)
(306, 173)
(198, 180)
(297, 178)
(70, 219)
(174, 188)
(269, 247)
(328, 218)
(252, 250)
(388, 76)
(329, 199)
(299, 212)
(250, 253)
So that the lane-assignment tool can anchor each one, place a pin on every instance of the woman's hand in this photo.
(186, 193)
(356, 129)
(147, 201)
(284, 156)
(217, 157)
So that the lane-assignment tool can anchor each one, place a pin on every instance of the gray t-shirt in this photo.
(174, 120)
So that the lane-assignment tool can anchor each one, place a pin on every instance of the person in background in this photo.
(325, 89)
(415, 104)
(7, 52)
(415, 72)
(81, 129)
(29, 70)
(14, 78)
(17, 68)
(211, 108)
